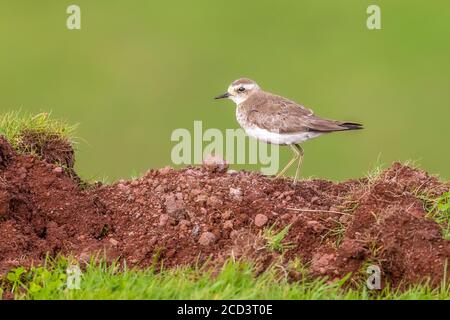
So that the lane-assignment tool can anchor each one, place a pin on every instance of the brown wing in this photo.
(278, 114)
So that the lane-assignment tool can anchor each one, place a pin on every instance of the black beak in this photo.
(223, 96)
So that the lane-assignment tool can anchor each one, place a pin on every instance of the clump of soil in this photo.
(49, 147)
(6, 152)
(43, 210)
(197, 214)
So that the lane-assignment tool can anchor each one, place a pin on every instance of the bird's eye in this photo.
(241, 89)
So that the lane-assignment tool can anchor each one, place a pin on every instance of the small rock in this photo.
(214, 202)
(122, 186)
(22, 173)
(321, 263)
(179, 196)
(135, 183)
(351, 248)
(215, 163)
(345, 218)
(170, 253)
(314, 200)
(114, 242)
(195, 230)
(226, 214)
(228, 224)
(163, 220)
(261, 220)
(191, 214)
(315, 225)
(165, 170)
(137, 215)
(201, 198)
(172, 221)
(234, 234)
(207, 239)
(58, 170)
(84, 257)
(196, 192)
(236, 193)
(152, 241)
(184, 224)
(175, 207)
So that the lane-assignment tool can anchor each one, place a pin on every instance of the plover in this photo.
(275, 119)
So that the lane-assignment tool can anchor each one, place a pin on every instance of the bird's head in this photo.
(240, 90)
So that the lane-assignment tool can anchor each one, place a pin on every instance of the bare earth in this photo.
(196, 214)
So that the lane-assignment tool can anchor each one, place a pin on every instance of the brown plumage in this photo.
(277, 114)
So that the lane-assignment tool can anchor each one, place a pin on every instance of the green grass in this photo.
(275, 240)
(439, 211)
(235, 280)
(337, 232)
(13, 124)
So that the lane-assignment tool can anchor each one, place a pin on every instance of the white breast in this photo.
(280, 138)
(272, 137)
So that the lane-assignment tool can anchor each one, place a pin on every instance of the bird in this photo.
(277, 120)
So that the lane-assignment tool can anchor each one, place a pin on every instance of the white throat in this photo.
(238, 99)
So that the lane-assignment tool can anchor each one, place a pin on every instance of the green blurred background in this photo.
(139, 69)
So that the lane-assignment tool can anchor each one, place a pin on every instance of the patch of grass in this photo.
(14, 124)
(375, 171)
(275, 239)
(439, 210)
(337, 232)
(235, 280)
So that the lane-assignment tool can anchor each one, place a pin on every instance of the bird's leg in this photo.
(300, 159)
(296, 155)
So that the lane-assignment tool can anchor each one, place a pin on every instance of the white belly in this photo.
(280, 138)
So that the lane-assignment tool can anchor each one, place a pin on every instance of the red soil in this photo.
(194, 214)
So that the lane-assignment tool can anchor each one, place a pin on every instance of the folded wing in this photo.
(278, 114)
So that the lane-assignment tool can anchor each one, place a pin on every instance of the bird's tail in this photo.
(351, 126)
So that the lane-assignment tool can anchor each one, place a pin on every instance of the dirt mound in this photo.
(195, 214)
(42, 210)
